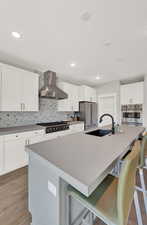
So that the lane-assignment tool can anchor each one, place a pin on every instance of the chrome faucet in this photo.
(107, 114)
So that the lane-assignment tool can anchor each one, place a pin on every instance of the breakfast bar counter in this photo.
(80, 160)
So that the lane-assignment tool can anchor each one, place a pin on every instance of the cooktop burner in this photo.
(54, 126)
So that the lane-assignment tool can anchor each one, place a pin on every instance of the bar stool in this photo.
(142, 166)
(112, 200)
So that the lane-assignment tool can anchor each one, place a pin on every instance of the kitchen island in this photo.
(80, 160)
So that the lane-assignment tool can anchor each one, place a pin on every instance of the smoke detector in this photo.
(86, 16)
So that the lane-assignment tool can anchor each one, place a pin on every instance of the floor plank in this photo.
(13, 198)
(14, 204)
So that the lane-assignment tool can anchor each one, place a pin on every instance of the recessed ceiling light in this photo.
(73, 64)
(98, 78)
(16, 34)
(86, 16)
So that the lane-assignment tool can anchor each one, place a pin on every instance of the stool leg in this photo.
(137, 207)
(68, 210)
(143, 188)
(91, 218)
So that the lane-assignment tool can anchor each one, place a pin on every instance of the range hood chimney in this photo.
(50, 90)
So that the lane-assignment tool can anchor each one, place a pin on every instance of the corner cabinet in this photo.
(72, 102)
(18, 89)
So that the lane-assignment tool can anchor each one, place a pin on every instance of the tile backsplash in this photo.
(47, 113)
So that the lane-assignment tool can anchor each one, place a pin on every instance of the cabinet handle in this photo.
(23, 107)
(27, 142)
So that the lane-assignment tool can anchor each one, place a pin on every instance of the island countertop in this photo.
(81, 159)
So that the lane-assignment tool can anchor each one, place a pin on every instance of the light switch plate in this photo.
(52, 188)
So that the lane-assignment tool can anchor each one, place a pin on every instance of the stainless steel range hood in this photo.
(50, 90)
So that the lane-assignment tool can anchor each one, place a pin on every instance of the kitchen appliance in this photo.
(88, 114)
(132, 114)
(54, 126)
(49, 89)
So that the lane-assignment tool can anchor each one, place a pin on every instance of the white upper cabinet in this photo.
(132, 93)
(19, 89)
(10, 89)
(87, 94)
(75, 93)
(72, 102)
(30, 91)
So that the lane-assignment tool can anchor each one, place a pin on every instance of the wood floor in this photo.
(13, 198)
(13, 201)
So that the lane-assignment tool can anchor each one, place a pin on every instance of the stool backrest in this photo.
(126, 184)
(143, 150)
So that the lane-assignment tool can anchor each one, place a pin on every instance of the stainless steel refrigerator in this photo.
(88, 114)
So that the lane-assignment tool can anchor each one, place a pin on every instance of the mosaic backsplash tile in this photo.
(47, 113)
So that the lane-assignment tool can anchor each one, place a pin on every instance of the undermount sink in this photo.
(99, 132)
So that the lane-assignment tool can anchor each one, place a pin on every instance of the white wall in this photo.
(109, 88)
(145, 103)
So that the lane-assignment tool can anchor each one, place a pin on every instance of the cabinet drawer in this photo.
(15, 136)
(26, 135)
(77, 127)
(36, 132)
(64, 133)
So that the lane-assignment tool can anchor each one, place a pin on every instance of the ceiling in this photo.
(104, 38)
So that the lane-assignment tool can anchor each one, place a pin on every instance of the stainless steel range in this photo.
(54, 126)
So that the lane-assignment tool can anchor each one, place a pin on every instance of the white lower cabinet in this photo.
(14, 153)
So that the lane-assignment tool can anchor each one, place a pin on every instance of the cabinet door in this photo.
(30, 89)
(75, 97)
(87, 94)
(132, 93)
(93, 95)
(11, 88)
(1, 155)
(138, 92)
(15, 155)
(66, 104)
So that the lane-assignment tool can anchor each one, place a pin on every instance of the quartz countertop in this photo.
(20, 129)
(80, 159)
